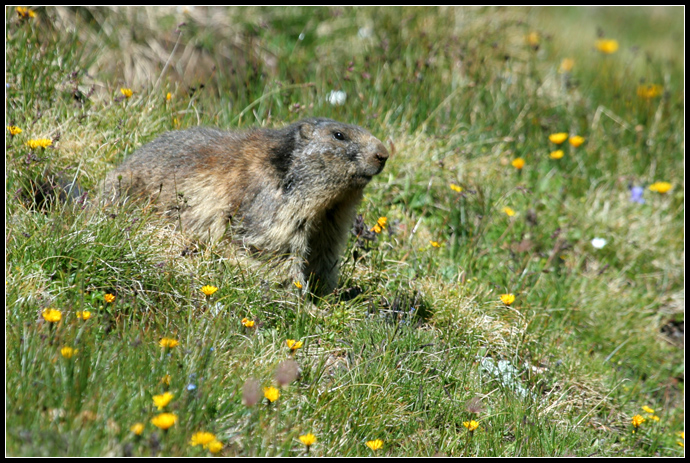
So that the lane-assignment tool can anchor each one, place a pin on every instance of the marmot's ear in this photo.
(306, 130)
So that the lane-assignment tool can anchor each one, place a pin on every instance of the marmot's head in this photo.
(330, 155)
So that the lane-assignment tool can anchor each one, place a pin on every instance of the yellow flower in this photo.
(215, 446)
(308, 439)
(202, 438)
(648, 409)
(52, 315)
(14, 130)
(168, 96)
(109, 298)
(660, 187)
(164, 420)
(39, 143)
(162, 400)
(508, 299)
(208, 290)
(558, 138)
(649, 91)
(248, 323)
(532, 39)
(508, 211)
(137, 428)
(68, 352)
(375, 444)
(294, 345)
(607, 46)
(24, 13)
(166, 380)
(566, 65)
(637, 420)
(576, 140)
(84, 315)
(297, 284)
(127, 92)
(470, 425)
(455, 187)
(518, 163)
(271, 393)
(380, 225)
(168, 342)
(558, 154)
(681, 434)
(654, 418)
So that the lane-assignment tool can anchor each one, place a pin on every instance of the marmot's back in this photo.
(291, 191)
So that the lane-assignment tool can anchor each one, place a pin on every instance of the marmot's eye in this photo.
(338, 136)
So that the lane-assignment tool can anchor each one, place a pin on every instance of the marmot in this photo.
(291, 192)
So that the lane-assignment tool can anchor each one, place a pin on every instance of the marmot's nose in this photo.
(381, 153)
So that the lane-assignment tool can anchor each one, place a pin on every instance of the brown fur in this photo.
(291, 192)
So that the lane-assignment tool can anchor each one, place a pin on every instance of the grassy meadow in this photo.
(525, 296)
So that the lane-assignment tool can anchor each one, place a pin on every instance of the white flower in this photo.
(336, 97)
(598, 243)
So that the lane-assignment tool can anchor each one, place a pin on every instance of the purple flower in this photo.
(636, 194)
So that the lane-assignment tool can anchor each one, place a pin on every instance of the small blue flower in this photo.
(636, 194)
(191, 387)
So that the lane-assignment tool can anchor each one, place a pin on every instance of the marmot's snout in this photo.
(375, 158)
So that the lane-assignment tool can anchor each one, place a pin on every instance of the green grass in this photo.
(414, 332)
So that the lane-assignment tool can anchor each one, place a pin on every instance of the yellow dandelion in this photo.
(376, 229)
(649, 91)
(435, 244)
(558, 154)
(161, 400)
(137, 428)
(84, 315)
(607, 46)
(518, 163)
(215, 446)
(14, 130)
(470, 425)
(660, 187)
(168, 342)
(508, 211)
(382, 221)
(168, 96)
(507, 299)
(164, 420)
(576, 140)
(51, 315)
(297, 284)
(456, 188)
(109, 298)
(533, 39)
(271, 393)
(208, 290)
(375, 444)
(39, 143)
(308, 439)
(681, 434)
(566, 65)
(202, 438)
(558, 137)
(24, 12)
(654, 418)
(248, 323)
(637, 420)
(68, 352)
(294, 345)
(648, 409)
(127, 92)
